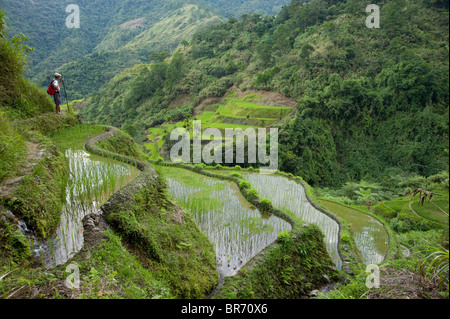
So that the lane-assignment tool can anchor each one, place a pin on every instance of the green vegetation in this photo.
(13, 244)
(420, 230)
(19, 99)
(435, 266)
(354, 115)
(237, 113)
(109, 264)
(154, 150)
(113, 260)
(12, 149)
(117, 38)
(41, 195)
(169, 240)
(121, 143)
(30, 157)
(266, 205)
(74, 137)
(292, 267)
(369, 133)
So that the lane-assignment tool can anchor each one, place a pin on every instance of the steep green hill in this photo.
(371, 102)
(94, 71)
(105, 28)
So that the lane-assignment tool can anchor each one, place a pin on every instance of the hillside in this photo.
(105, 30)
(359, 91)
(94, 71)
(51, 190)
(58, 173)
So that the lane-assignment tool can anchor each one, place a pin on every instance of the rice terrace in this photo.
(223, 155)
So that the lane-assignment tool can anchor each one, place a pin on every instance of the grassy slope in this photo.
(110, 272)
(176, 26)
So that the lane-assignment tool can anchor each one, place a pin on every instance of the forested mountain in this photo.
(371, 102)
(105, 28)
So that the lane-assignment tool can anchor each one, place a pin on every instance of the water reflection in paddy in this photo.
(289, 196)
(237, 230)
(92, 180)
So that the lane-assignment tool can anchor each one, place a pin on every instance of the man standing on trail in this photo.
(57, 88)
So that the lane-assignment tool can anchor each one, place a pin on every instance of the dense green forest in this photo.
(103, 45)
(371, 102)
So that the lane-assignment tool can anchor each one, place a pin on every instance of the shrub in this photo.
(198, 169)
(252, 193)
(265, 205)
(12, 242)
(441, 179)
(346, 238)
(244, 185)
(236, 174)
(284, 237)
(435, 266)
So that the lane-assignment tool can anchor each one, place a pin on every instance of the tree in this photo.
(264, 50)
(440, 3)
(174, 71)
(158, 56)
(283, 38)
(307, 50)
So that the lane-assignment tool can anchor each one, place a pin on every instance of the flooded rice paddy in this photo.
(370, 236)
(92, 181)
(287, 195)
(237, 230)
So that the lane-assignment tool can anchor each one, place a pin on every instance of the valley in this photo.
(361, 178)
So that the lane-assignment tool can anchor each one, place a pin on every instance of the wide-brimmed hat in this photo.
(57, 75)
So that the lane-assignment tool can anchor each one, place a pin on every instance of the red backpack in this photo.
(51, 89)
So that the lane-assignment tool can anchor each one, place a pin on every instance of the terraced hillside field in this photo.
(236, 110)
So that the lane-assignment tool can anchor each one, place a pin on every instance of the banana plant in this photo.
(424, 194)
